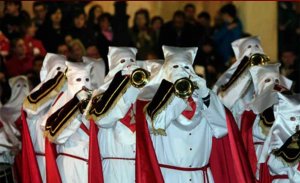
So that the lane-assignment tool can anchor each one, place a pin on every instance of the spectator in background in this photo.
(218, 22)
(52, 33)
(105, 35)
(34, 46)
(4, 87)
(178, 32)
(79, 29)
(2, 70)
(204, 21)
(68, 8)
(93, 19)
(296, 30)
(20, 62)
(34, 75)
(156, 23)
(291, 67)
(190, 13)
(209, 60)
(4, 45)
(77, 51)
(152, 56)
(92, 52)
(40, 11)
(63, 49)
(140, 33)
(113, 31)
(228, 32)
(13, 19)
(287, 24)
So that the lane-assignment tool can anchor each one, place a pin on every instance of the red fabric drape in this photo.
(18, 157)
(95, 172)
(190, 114)
(30, 169)
(264, 174)
(247, 121)
(127, 119)
(228, 160)
(147, 168)
(52, 172)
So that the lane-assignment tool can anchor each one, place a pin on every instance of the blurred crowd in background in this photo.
(65, 28)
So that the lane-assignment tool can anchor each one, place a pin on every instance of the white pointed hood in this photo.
(180, 56)
(51, 65)
(78, 75)
(264, 79)
(241, 48)
(98, 71)
(11, 110)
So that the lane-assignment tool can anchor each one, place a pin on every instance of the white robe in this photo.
(188, 142)
(5, 148)
(73, 141)
(36, 124)
(286, 128)
(117, 141)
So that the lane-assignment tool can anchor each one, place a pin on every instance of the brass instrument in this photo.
(259, 59)
(83, 103)
(184, 87)
(139, 77)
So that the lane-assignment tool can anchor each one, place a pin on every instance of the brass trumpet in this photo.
(259, 59)
(139, 77)
(184, 87)
(83, 103)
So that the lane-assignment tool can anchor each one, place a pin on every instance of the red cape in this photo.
(30, 169)
(248, 118)
(18, 157)
(95, 172)
(94, 160)
(228, 161)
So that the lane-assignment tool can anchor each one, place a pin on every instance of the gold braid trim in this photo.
(123, 91)
(265, 128)
(62, 128)
(34, 106)
(160, 131)
(234, 84)
(236, 77)
(291, 146)
(295, 162)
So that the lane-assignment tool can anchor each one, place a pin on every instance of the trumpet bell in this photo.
(139, 77)
(259, 59)
(184, 88)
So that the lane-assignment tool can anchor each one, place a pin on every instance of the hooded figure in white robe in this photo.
(37, 104)
(281, 149)
(64, 127)
(114, 113)
(181, 127)
(10, 122)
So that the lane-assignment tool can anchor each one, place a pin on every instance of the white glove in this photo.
(128, 70)
(202, 90)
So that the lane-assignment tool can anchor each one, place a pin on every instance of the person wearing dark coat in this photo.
(113, 30)
(178, 32)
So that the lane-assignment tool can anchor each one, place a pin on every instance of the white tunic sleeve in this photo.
(120, 109)
(171, 112)
(215, 116)
(69, 130)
